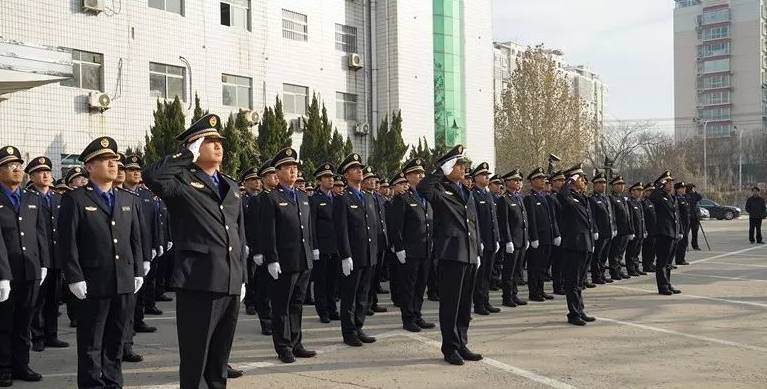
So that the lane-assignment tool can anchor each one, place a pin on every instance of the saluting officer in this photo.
(456, 249)
(45, 322)
(543, 232)
(488, 231)
(604, 219)
(25, 233)
(634, 247)
(209, 271)
(100, 237)
(411, 231)
(512, 224)
(648, 245)
(667, 231)
(625, 228)
(684, 223)
(325, 271)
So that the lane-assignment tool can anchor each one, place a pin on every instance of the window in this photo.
(236, 91)
(717, 65)
(294, 26)
(716, 113)
(346, 106)
(166, 81)
(714, 49)
(346, 38)
(718, 130)
(714, 98)
(716, 16)
(715, 81)
(716, 32)
(235, 13)
(87, 71)
(175, 6)
(295, 98)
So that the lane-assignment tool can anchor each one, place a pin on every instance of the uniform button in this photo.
(303, 240)
(221, 207)
(370, 240)
(230, 248)
(469, 233)
(114, 240)
(54, 242)
(227, 228)
(23, 249)
(54, 230)
(22, 233)
(117, 257)
(113, 223)
(19, 218)
(302, 227)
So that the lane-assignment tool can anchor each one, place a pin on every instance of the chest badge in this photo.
(198, 185)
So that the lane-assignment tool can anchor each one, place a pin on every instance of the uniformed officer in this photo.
(604, 219)
(693, 199)
(489, 237)
(25, 233)
(496, 189)
(684, 223)
(411, 231)
(338, 185)
(356, 219)
(456, 249)
(397, 185)
(557, 179)
(326, 266)
(543, 233)
(513, 227)
(578, 236)
(209, 270)
(60, 187)
(383, 189)
(369, 183)
(648, 245)
(252, 186)
(45, 322)
(251, 182)
(667, 231)
(76, 177)
(634, 247)
(624, 232)
(100, 239)
(261, 289)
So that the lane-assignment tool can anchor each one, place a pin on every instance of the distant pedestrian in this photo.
(756, 212)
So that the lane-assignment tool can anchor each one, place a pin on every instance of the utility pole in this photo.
(705, 157)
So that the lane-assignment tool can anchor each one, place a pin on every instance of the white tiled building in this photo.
(240, 54)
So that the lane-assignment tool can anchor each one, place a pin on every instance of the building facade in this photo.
(362, 58)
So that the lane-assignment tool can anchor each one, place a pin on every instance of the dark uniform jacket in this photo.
(324, 229)
(623, 222)
(51, 214)
(411, 225)
(208, 227)
(578, 232)
(26, 235)
(356, 228)
(253, 221)
(667, 214)
(456, 234)
(694, 198)
(285, 232)
(637, 217)
(755, 207)
(486, 218)
(602, 210)
(649, 216)
(5, 267)
(543, 225)
(684, 211)
(512, 220)
(100, 246)
(383, 233)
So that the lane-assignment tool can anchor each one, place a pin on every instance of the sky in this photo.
(628, 43)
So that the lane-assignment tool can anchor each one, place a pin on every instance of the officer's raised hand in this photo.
(316, 254)
(534, 244)
(79, 289)
(447, 167)
(194, 147)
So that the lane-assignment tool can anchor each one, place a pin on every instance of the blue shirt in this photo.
(290, 192)
(108, 196)
(358, 193)
(14, 196)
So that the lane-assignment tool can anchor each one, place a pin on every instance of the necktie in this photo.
(107, 200)
(15, 200)
(214, 180)
(292, 195)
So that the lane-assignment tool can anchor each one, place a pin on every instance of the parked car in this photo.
(703, 213)
(719, 212)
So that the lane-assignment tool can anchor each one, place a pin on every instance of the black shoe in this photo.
(266, 329)
(696, 248)
(381, 290)
(673, 266)
(38, 346)
(163, 297)
(674, 290)
(286, 356)
(642, 273)
(353, 341)
(73, 323)
(576, 321)
(324, 319)
(412, 327)
(665, 292)
(492, 309)
(152, 311)
(609, 280)
(466, 354)
(26, 374)
(615, 277)
(634, 273)
(683, 263)
(587, 318)
(760, 242)
(130, 356)
(625, 276)
(518, 300)
(334, 316)
(648, 269)
(481, 311)
(548, 296)
(250, 310)
(432, 297)
(300, 352)
(424, 324)
(370, 312)
(537, 298)
(364, 338)
(6, 379)
(233, 373)
(142, 327)
(309, 301)
(56, 343)
(507, 302)
(379, 309)
(560, 292)
(454, 358)
(589, 285)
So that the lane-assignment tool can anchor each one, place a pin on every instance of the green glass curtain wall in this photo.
(449, 104)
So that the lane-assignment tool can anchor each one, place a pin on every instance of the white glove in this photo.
(79, 289)
(679, 236)
(596, 236)
(161, 250)
(137, 283)
(447, 167)
(43, 274)
(242, 292)
(5, 290)
(479, 262)
(527, 245)
(534, 244)
(632, 236)
(510, 247)
(645, 236)
(247, 251)
(557, 241)
(194, 147)
(615, 233)
(170, 246)
(497, 247)
(481, 246)
(347, 265)
(154, 254)
(316, 254)
(401, 256)
(274, 269)
(258, 259)
(147, 266)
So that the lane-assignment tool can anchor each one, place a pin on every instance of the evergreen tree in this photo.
(312, 148)
(348, 148)
(388, 147)
(168, 123)
(273, 131)
(138, 151)
(336, 148)
(247, 141)
(231, 145)
(198, 111)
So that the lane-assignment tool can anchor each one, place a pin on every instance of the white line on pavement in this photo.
(695, 296)
(727, 254)
(672, 332)
(740, 264)
(719, 277)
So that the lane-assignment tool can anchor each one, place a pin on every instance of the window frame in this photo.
(182, 6)
(348, 102)
(236, 4)
(237, 86)
(290, 90)
(78, 62)
(167, 75)
(290, 20)
(350, 33)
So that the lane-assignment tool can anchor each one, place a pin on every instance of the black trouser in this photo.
(681, 246)
(100, 340)
(15, 319)
(130, 331)
(395, 285)
(574, 265)
(633, 250)
(557, 276)
(375, 278)
(664, 249)
(648, 253)
(412, 275)
(262, 298)
(325, 277)
(288, 293)
(538, 264)
(694, 226)
(617, 251)
(599, 259)
(456, 284)
(72, 302)
(511, 263)
(497, 271)
(45, 322)
(755, 228)
(250, 287)
(521, 266)
(432, 283)
(484, 273)
(146, 297)
(160, 276)
(205, 322)
(354, 290)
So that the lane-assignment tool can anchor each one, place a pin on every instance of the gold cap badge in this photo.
(213, 121)
(104, 142)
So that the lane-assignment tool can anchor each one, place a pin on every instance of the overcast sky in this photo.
(628, 43)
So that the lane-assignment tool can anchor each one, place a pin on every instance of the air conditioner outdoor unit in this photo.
(355, 61)
(93, 5)
(252, 117)
(362, 129)
(98, 101)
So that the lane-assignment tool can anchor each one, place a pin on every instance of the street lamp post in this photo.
(705, 157)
